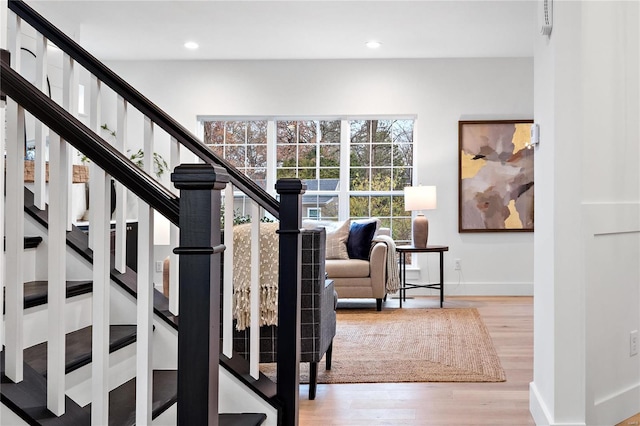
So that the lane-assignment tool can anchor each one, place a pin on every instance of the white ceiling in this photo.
(153, 29)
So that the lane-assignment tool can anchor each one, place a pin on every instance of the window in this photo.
(314, 213)
(381, 165)
(352, 168)
(242, 143)
(310, 150)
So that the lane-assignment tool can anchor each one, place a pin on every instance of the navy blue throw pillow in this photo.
(359, 241)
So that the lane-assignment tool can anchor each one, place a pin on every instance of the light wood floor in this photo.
(510, 323)
(631, 421)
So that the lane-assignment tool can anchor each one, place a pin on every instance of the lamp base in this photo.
(420, 229)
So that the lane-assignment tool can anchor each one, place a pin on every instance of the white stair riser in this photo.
(122, 367)
(78, 315)
(77, 267)
(168, 418)
(8, 417)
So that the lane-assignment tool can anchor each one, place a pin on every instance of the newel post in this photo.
(199, 254)
(288, 377)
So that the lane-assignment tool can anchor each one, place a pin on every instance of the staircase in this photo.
(86, 340)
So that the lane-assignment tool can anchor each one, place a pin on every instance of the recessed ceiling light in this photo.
(191, 45)
(373, 44)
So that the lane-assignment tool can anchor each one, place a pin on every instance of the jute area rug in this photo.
(409, 345)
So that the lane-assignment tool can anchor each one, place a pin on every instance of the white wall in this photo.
(438, 92)
(587, 240)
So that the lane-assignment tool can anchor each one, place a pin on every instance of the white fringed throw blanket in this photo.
(393, 278)
(268, 274)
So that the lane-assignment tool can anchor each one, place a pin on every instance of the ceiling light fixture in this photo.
(373, 44)
(191, 45)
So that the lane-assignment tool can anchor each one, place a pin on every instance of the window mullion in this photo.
(345, 176)
(272, 157)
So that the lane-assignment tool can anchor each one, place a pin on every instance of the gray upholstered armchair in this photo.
(318, 315)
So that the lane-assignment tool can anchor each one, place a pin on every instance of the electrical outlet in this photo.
(456, 265)
(633, 343)
(159, 266)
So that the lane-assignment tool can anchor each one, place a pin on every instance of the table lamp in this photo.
(418, 198)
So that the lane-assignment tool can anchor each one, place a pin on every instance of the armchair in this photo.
(357, 278)
(317, 317)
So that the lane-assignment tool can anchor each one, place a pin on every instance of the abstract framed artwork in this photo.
(495, 171)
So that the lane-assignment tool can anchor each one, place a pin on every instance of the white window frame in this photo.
(344, 191)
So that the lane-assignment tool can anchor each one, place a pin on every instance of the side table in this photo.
(404, 285)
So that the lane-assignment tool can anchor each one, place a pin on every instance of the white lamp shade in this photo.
(419, 198)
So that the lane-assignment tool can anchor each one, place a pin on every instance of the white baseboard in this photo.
(540, 412)
(537, 407)
(616, 408)
(477, 289)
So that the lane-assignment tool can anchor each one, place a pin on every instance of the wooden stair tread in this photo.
(241, 419)
(78, 347)
(122, 400)
(36, 292)
(29, 242)
(28, 399)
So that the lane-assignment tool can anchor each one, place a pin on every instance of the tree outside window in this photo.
(371, 184)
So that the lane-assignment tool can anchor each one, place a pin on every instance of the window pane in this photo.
(235, 132)
(380, 206)
(257, 156)
(259, 176)
(385, 222)
(257, 132)
(218, 150)
(330, 173)
(402, 154)
(402, 131)
(330, 205)
(330, 131)
(286, 132)
(307, 132)
(381, 130)
(286, 156)
(360, 131)
(380, 179)
(359, 206)
(235, 155)
(360, 155)
(286, 173)
(401, 178)
(359, 180)
(329, 155)
(325, 207)
(306, 173)
(397, 203)
(401, 229)
(307, 155)
(381, 155)
(213, 132)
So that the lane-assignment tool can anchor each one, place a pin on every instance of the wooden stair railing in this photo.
(118, 166)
